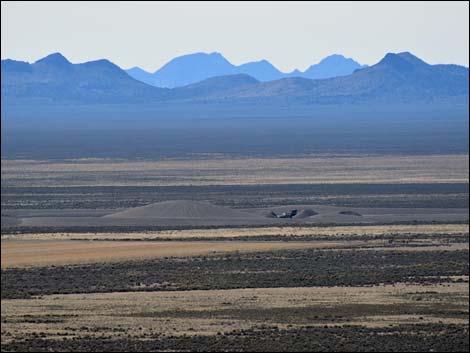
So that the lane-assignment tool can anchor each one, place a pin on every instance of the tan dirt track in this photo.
(333, 231)
(43, 253)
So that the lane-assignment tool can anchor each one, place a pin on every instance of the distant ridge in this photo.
(55, 79)
(191, 68)
(397, 78)
(332, 66)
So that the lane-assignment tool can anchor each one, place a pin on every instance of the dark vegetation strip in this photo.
(315, 314)
(399, 239)
(286, 268)
(319, 189)
(139, 229)
(401, 338)
(441, 195)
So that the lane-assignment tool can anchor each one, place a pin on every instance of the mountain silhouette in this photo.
(262, 70)
(192, 68)
(55, 79)
(186, 69)
(332, 66)
(400, 77)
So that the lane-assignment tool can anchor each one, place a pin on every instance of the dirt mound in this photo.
(181, 209)
(306, 213)
(350, 213)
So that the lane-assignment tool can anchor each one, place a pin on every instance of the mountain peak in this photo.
(136, 69)
(56, 59)
(191, 68)
(401, 60)
(406, 55)
(198, 55)
(295, 72)
(334, 57)
(262, 70)
(338, 59)
(100, 62)
(332, 66)
(103, 65)
(198, 59)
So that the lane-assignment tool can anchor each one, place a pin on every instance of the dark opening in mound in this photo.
(350, 213)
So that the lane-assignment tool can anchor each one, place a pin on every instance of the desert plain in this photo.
(188, 255)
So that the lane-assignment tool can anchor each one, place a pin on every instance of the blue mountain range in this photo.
(192, 68)
(55, 79)
(397, 78)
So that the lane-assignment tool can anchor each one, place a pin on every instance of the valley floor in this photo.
(340, 288)
(379, 261)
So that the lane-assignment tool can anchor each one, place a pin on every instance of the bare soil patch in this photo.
(44, 253)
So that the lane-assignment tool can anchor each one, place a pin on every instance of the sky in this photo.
(288, 34)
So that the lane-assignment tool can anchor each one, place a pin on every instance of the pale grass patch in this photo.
(369, 230)
(118, 310)
(239, 171)
(44, 253)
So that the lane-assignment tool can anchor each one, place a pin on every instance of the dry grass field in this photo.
(32, 253)
(45, 253)
(242, 171)
(401, 287)
(218, 311)
(233, 233)
(74, 248)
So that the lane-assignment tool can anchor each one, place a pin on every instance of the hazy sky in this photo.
(290, 35)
